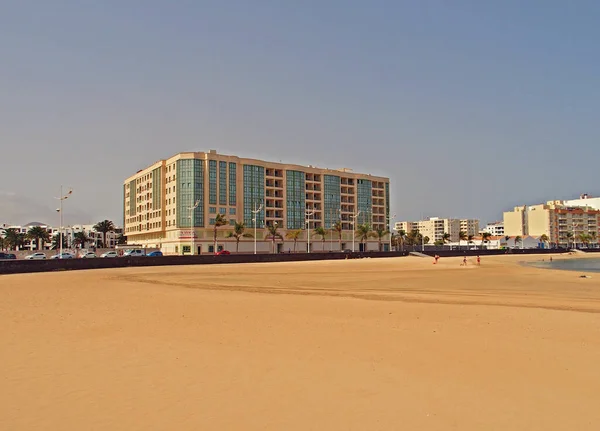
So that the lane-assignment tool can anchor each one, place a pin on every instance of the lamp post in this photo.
(307, 214)
(390, 226)
(255, 213)
(192, 230)
(354, 216)
(60, 211)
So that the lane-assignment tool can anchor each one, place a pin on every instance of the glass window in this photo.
(212, 210)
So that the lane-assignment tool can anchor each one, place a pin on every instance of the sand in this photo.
(372, 344)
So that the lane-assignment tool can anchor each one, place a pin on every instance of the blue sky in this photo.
(470, 107)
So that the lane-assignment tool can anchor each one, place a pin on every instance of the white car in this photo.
(88, 255)
(36, 256)
(109, 254)
(63, 256)
(134, 252)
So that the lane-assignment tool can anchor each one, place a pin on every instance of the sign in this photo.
(187, 234)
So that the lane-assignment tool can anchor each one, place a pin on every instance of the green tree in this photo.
(337, 227)
(584, 238)
(220, 220)
(121, 239)
(239, 232)
(485, 237)
(470, 240)
(445, 237)
(39, 235)
(401, 238)
(518, 239)
(14, 239)
(363, 232)
(80, 239)
(56, 241)
(320, 231)
(104, 227)
(544, 239)
(568, 236)
(294, 235)
(593, 237)
(380, 233)
(273, 235)
(462, 236)
(426, 240)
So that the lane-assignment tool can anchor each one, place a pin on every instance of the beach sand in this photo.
(371, 344)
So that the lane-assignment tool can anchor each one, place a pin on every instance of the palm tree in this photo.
(294, 235)
(544, 239)
(593, 236)
(320, 230)
(426, 240)
(470, 240)
(337, 227)
(518, 239)
(485, 237)
(80, 239)
(273, 235)
(104, 227)
(56, 241)
(379, 233)
(363, 232)
(568, 236)
(445, 238)
(39, 235)
(401, 238)
(462, 236)
(238, 233)
(220, 220)
(584, 238)
(121, 239)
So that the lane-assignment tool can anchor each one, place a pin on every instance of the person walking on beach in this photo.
(464, 261)
(478, 261)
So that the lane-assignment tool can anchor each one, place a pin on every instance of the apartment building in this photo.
(434, 227)
(159, 201)
(495, 228)
(561, 223)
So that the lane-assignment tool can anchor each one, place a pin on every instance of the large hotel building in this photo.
(157, 203)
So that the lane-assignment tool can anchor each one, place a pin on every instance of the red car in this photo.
(218, 253)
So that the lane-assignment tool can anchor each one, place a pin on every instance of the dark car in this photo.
(156, 253)
(7, 256)
(219, 253)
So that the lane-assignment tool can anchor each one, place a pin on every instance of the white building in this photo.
(434, 227)
(584, 201)
(495, 229)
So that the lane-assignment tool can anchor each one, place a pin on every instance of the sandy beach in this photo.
(371, 344)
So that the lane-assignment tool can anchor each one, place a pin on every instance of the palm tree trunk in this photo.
(214, 240)
(237, 244)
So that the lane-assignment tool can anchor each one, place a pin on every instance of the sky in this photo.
(469, 107)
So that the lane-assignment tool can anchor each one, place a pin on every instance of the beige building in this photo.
(158, 201)
(562, 224)
(434, 227)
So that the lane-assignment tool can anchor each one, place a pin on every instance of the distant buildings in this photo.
(495, 229)
(95, 238)
(434, 228)
(564, 223)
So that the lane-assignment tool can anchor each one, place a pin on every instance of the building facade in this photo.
(434, 227)
(175, 202)
(562, 224)
(495, 229)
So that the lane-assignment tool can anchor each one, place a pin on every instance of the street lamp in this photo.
(390, 226)
(255, 212)
(354, 216)
(60, 211)
(307, 214)
(192, 230)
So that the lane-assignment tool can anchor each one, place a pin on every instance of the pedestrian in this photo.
(478, 261)
(465, 261)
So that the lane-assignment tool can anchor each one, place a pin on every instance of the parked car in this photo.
(218, 253)
(88, 255)
(111, 253)
(156, 253)
(36, 256)
(134, 252)
(63, 256)
(7, 256)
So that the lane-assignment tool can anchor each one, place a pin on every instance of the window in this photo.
(212, 182)
(212, 210)
(223, 211)
(211, 221)
(231, 211)
(232, 184)
(222, 183)
(232, 222)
